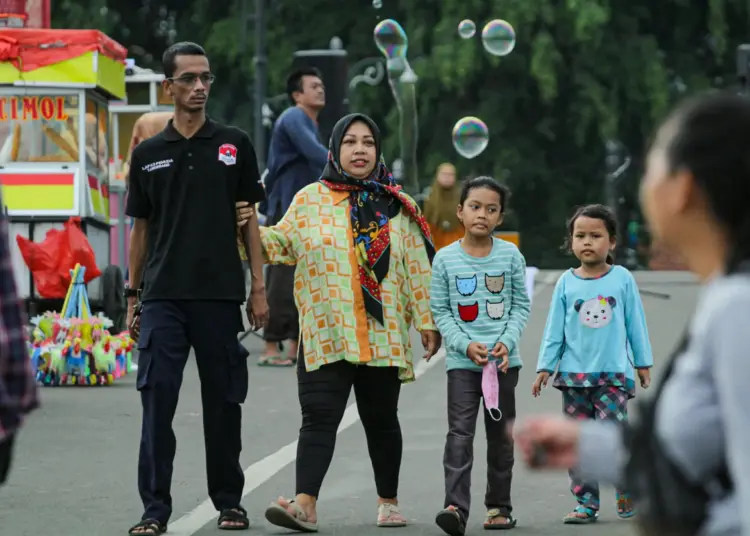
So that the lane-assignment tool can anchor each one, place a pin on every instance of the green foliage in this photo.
(583, 71)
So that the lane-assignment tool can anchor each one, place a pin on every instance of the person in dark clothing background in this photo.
(296, 157)
(184, 184)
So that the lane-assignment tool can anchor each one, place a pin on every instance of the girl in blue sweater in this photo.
(595, 336)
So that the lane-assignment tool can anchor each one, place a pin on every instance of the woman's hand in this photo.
(431, 341)
(550, 442)
(244, 212)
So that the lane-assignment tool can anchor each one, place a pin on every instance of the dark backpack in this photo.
(667, 502)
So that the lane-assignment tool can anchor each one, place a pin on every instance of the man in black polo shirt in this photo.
(184, 183)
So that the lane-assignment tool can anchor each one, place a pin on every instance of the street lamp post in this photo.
(743, 67)
(370, 71)
(260, 64)
(616, 162)
(261, 75)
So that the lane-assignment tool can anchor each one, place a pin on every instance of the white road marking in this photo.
(263, 470)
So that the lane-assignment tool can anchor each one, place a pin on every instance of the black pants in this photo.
(464, 394)
(6, 455)
(283, 318)
(323, 395)
(168, 330)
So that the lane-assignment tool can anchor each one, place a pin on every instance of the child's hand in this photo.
(541, 381)
(644, 374)
(500, 351)
(477, 352)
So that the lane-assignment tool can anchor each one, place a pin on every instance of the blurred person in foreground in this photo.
(362, 251)
(695, 197)
(441, 205)
(18, 391)
(295, 159)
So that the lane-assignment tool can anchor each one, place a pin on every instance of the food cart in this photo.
(55, 88)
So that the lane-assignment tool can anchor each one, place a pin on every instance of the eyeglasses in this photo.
(189, 79)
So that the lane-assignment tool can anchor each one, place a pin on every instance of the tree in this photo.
(583, 71)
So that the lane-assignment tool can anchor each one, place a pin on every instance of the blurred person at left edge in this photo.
(18, 392)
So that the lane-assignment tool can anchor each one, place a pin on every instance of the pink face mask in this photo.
(491, 390)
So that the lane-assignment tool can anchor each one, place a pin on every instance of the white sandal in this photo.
(389, 516)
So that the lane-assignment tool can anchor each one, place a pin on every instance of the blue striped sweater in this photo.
(479, 299)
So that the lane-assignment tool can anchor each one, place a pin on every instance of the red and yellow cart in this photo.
(55, 161)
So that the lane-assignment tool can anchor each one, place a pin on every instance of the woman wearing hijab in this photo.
(441, 205)
(363, 254)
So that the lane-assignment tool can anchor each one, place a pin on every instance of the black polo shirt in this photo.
(187, 190)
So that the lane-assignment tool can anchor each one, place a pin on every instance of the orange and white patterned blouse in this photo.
(316, 235)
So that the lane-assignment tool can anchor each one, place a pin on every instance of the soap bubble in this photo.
(377, 4)
(470, 137)
(391, 39)
(498, 37)
(467, 29)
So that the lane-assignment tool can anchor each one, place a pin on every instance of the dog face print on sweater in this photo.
(596, 312)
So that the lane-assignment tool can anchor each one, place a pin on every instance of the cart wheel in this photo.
(114, 303)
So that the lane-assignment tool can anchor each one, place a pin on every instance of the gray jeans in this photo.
(464, 397)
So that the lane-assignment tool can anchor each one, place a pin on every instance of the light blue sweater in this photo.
(479, 299)
(596, 332)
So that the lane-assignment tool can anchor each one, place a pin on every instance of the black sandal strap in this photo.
(237, 515)
(153, 525)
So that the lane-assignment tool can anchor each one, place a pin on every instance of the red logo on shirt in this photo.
(228, 154)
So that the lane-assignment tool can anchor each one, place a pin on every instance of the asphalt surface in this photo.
(74, 472)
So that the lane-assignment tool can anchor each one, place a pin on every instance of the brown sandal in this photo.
(277, 515)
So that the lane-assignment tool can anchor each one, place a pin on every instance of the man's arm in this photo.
(139, 208)
(251, 241)
(306, 141)
(137, 253)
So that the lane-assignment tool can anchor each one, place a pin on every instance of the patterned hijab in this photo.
(374, 201)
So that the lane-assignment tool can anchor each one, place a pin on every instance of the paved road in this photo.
(74, 472)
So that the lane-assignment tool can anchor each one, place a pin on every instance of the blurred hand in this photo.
(257, 309)
(541, 381)
(133, 321)
(500, 351)
(644, 374)
(478, 353)
(431, 341)
(549, 442)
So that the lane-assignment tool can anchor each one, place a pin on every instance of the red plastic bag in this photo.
(51, 260)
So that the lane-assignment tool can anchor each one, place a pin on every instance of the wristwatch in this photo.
(129, 292)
